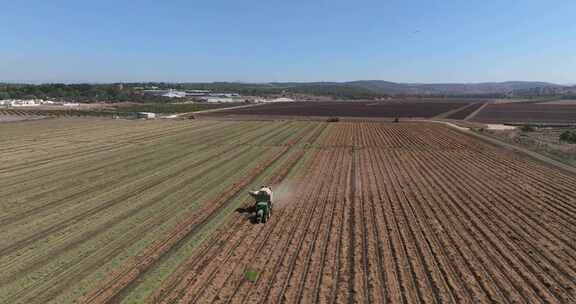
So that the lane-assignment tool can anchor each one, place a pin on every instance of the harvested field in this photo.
(10, 117)
(528, 113)
(155, 211)
(108, 110)
(30, 112)
(560, 102)
(348, 109)
(81, 197)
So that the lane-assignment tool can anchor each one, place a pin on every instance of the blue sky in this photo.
(297, 40)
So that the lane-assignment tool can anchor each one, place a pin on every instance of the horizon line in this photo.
(68, 82)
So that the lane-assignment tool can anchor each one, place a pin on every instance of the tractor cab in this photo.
(263, 205)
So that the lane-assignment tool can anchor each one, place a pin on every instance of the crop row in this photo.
(366, 212)
(410, 213)
(133, 268)
(100, 211)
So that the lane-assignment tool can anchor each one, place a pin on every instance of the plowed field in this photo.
(362, 109)
(157, 212)
(528, 113)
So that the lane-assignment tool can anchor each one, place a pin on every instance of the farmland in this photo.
(97, 211)
(467, 111)
(476, 110)
(545, 113)
(125, 110)
(396, 108)
(27, 113)
(544, 140)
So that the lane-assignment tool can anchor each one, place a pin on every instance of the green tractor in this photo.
(262, 212)
(263, 205)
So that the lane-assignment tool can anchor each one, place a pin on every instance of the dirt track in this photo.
(400, 213)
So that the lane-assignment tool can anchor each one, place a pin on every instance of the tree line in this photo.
(86, 93)
(133, 92)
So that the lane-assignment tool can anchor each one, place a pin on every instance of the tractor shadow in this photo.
(251, 211)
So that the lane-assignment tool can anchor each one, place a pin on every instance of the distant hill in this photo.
(361, 89)
(374, 88)
(386, 87)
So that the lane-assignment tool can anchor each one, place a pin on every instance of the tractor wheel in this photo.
(260, 216)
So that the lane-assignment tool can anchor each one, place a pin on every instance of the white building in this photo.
(174, 94)
(146, 115)
(171, 93)
(197, 93)
(281, 99)
(224, 94)
(20, 102)
(219, 99)
(25, 102)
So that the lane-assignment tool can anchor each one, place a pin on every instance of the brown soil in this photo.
(528, 113)
(139, 264)
(369, 109)
(400, 213)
